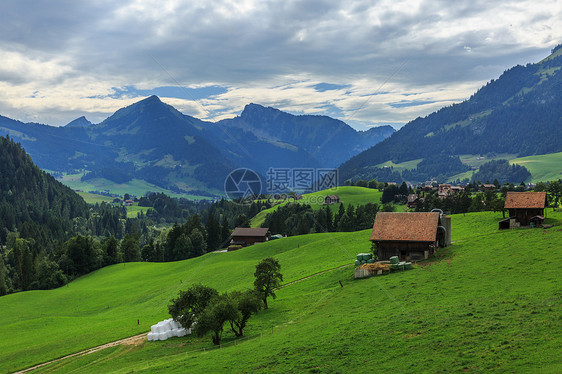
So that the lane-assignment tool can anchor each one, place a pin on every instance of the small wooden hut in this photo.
(331, 199)
(246, 236)
(524, 208)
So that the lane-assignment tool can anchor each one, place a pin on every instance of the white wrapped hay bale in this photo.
(181, 332)
(163, 336)
(174, 332)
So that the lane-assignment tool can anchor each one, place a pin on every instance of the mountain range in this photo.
(153, 141)
(520, 113)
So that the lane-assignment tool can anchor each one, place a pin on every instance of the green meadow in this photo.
(491, 302)
(543, 167)
(349, 195)
(134, 187)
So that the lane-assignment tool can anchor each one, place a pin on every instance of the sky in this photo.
(368, 63)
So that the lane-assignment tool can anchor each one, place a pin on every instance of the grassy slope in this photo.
(349, 195)
(134, 187)
(543, 167)
(105, 305)
(490, 303)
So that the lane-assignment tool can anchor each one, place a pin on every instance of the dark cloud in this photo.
(149, 44)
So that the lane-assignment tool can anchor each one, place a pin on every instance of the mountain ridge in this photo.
(153, 141)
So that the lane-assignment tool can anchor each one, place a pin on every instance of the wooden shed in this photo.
(331, 199)
(524, 208)
(410, 236)
(246, 236)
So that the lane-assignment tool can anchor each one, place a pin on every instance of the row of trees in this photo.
(204, 310)
(298, 219)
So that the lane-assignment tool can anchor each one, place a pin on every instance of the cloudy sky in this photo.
(366, 62)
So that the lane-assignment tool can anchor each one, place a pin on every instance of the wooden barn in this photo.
(246, 236)
(410, 236)
(524, 208)
(331, 199)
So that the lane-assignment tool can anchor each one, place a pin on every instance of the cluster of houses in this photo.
(414, 236)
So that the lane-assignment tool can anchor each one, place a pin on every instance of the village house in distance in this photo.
(525, 209)
(410, 236)
(246, 236)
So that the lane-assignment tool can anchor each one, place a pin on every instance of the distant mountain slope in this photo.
(328, 140)
(519, 113)
(152, 141)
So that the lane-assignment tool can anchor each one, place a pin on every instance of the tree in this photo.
(130, 248)
(3, 276)
(268, 278)
(199, 243)
(213, 229)
(247, 303)
(554, 192)
(183, 248)
(219, 310)
(48, 275)
(189, 305)
(111, 254)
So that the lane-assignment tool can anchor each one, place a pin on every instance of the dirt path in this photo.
(137, 339)
(313, 275)
(132, 340)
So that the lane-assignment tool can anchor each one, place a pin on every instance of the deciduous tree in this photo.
(268, 278)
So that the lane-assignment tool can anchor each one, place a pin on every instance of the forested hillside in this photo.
(519, 113)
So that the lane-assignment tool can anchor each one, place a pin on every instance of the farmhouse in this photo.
(525, 208)
(246, 236)
(413, 200)
(410, 236)
(331, 199)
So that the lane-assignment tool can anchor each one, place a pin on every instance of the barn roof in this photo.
(418, 227)
(247, 231)
(525, 200)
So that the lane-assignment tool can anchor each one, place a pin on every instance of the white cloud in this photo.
(61, 60)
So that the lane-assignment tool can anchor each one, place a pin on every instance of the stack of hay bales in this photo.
(396, 264)
(166, 329)
(364, 258)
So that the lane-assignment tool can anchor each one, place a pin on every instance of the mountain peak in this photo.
(79, 122)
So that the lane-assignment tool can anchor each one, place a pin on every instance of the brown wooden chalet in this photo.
(246, 236)
(410, 236)
(524, 208)
(331, 199)
(412, 200)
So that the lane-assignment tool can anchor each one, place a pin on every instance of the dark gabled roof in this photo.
(332, 197)
(247, 231)
(418, 227)
(525, 200)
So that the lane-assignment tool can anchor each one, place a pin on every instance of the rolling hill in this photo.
(518, 113)
(485, 304)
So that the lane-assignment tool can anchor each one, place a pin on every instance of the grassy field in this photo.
(105, 305)
(543, 167)
(489, 303)
(134, 187)
(92, 198)
(349, 195)
(401, 166)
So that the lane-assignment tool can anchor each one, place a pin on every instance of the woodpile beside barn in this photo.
(410, 236)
